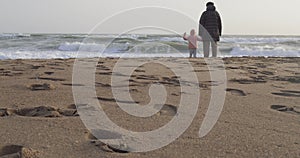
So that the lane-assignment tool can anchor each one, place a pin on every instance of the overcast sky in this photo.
(264, 17)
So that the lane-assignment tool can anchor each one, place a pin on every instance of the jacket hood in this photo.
(211, 8)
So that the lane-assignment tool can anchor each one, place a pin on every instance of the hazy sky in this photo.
(267, 17)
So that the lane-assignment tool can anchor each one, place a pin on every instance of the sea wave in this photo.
(265, 51)
(45, 55)
(14, 35)
(260, 40)
(76, 46)
(26, 46)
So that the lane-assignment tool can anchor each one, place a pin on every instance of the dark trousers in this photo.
(206, 47)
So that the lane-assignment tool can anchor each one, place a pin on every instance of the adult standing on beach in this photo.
(210, 29)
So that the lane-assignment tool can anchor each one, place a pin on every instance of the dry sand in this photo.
(260, 118)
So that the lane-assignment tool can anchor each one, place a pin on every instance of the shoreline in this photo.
(233, 57)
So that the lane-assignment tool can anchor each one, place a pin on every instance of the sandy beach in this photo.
(260, 117)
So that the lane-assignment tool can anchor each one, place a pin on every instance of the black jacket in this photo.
(210, 21)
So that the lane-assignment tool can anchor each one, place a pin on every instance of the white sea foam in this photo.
(67, 55)
(44, 46)
(12, 35)
(171, 39)
(266, 51)
(45, 55)
(75, 46)
(236, 52)
(258, 40)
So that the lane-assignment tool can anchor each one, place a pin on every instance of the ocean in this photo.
(63, 46)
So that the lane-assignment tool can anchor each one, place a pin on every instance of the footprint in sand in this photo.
(104, 73)
(57, 68)
(145, 77)
(38, 87)
(267, 73)
(168, 110)
(68, 112)
(117, 101)
(6, 73)
(102, 67)
(6, 112)
(74, 84)
(98, 84)
(47, 78)
(236, 92)
(133, 90)
(35, 67)
(48, 73)
(291, 79)
(105, 147)
(41, 111)
(288, 93)
(139, 70)
(170, 81)
(18, 151)
(249, 81)
(282, 108)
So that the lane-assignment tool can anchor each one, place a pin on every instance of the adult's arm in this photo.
(201, 24)
(220, 24)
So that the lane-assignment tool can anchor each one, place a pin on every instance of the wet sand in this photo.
(260, 117)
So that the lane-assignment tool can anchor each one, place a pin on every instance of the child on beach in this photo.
(193, 42)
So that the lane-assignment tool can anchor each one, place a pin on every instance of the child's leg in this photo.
(191, 53)
(194, 53)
